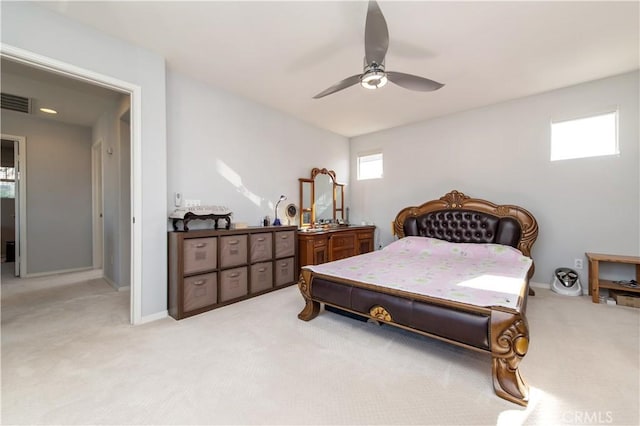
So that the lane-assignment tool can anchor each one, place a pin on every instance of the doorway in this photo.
(8, 200)
(133, 239)
(13, 199)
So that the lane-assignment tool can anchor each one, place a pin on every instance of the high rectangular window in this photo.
(370, 166)
(592, 136)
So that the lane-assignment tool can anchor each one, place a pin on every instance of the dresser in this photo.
(213, 268)
(316, 247)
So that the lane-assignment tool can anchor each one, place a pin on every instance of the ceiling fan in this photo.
(376, 43)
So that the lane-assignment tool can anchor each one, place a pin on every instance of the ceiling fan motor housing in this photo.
(373, 76)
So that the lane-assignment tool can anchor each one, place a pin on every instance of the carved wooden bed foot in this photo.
(310, 311)
(509, 344)
(311, 307)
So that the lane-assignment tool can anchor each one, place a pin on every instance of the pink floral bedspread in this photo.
(476, 274)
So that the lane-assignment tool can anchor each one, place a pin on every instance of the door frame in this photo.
(97, 204)
(20, 231)
(135, 94)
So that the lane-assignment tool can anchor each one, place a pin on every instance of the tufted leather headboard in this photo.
(464, 226)
(457, 218)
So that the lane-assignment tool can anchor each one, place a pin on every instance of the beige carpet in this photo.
(70, 357)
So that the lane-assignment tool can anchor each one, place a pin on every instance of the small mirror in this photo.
(324, 198)
(292, 212)
(306, 202)
(339, 194)
(306, 218)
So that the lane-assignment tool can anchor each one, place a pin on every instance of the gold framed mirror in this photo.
(321, 199)
(306, 202)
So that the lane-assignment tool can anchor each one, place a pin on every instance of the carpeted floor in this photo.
(69, 356)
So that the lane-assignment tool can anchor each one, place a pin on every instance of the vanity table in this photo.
(323, 235)
(325, 245)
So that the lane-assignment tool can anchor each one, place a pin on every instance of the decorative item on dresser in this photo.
(186, 214)
(292, 212)
(276, 221)
(213, 268)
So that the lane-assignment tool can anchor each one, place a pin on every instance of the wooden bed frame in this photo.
(500, 331)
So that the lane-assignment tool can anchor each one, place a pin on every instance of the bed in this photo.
(459, 272)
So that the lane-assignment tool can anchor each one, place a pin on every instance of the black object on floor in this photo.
(345, 313)
(11, 251)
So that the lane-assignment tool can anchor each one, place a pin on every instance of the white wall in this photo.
(41, 31)
(226, 150)
(501, 153)
(58, 192)
(115, 181)
(124, 251)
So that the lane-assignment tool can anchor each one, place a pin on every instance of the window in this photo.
(370, 166)
(585, 137)
(7, 182)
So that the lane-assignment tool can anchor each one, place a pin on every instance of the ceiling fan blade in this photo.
(376, 35)
(349, 81)
(413, 82)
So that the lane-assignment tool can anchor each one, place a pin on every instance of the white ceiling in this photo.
(75, 101)
(280, 54)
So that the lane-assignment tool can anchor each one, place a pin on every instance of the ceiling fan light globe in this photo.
(373, 80)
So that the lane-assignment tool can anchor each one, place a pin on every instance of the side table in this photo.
(596, 283)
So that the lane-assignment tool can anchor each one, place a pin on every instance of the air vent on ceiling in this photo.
(16, 103)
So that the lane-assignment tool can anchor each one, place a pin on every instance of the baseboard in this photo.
(540, 285)
(110, 282)
(585, 289)
(115, 285)
(153, 317)
(77, 274)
